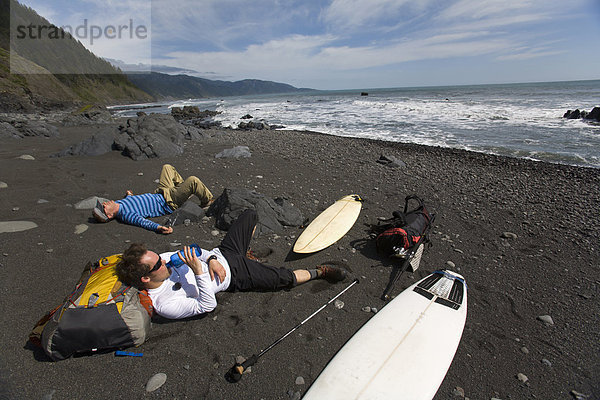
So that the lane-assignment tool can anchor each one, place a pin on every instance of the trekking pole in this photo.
(235, 373)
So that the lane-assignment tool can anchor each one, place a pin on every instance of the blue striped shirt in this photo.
(134, 210)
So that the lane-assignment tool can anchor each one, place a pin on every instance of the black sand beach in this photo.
(548, 267)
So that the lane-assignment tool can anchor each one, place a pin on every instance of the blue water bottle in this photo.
(177, 259)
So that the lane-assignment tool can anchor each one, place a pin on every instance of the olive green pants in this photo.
(177, 190)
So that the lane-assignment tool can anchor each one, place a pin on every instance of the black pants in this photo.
(246, 274)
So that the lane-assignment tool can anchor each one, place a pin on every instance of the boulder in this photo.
(193, 133)
(247, 126)
(185, 112)
(191, 113)
(151, 136)
(147, 136)
(206, 123)
(273, 215)
(88, 115)
(36, 129)
(9, 131)
(188, 211)
(99, 143)
(391, 161)
(594, 114)
(575, 114)
(235, 152)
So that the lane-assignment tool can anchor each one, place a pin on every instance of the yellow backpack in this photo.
(100, 314)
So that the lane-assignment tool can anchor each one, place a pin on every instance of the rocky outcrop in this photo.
(192, 116)
(88, 115)
(9, 131)
(593, 115)
(21, 129)
(99, 143)
(151, 136)
(191, 112)
(260, 125)
(273, 214)
(148, 136)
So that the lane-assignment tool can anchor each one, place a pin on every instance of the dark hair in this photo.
(130, 270)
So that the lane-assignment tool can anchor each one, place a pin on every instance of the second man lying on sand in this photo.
(171, 193)
(191, 289)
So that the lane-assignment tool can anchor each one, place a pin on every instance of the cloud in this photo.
(529, 53)
(345, 14)
(302, 56)
(307, 40)
(229, 24)
(479, 9)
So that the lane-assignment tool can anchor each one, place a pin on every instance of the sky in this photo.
(347, 44)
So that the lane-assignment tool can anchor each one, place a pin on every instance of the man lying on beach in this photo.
(171, 193)
(191, 289)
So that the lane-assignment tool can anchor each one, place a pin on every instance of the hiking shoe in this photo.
(331, 273)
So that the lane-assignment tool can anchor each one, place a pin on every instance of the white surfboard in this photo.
(330, 226)
(405, 350)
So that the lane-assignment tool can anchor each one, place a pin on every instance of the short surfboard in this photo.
(405, 350)
(330, 226)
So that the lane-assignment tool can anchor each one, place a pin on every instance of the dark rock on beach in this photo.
(191, 113)
(193, 117)
(99, 143)
(235, 152)
(147, 136)
(151, 136)
(88, 115)
(391, 161)
(512, 227)
(20, 129)
(273, 215)
(251, 125)
(188, 213)
(9, 131)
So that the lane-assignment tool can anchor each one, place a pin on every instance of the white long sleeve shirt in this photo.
(184, 294)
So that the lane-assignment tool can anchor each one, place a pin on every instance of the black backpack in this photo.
(397, 235)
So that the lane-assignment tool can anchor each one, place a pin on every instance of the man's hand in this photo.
(192, 260)
(215, 267)
(164, 230)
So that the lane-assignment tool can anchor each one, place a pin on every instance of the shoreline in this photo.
(548, 269)
(454, 150)
(56, 118)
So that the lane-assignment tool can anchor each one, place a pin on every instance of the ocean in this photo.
(517, 120)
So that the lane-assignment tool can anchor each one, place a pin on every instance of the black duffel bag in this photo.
(399, 234)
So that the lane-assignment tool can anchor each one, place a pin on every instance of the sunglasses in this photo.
(156, 266)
